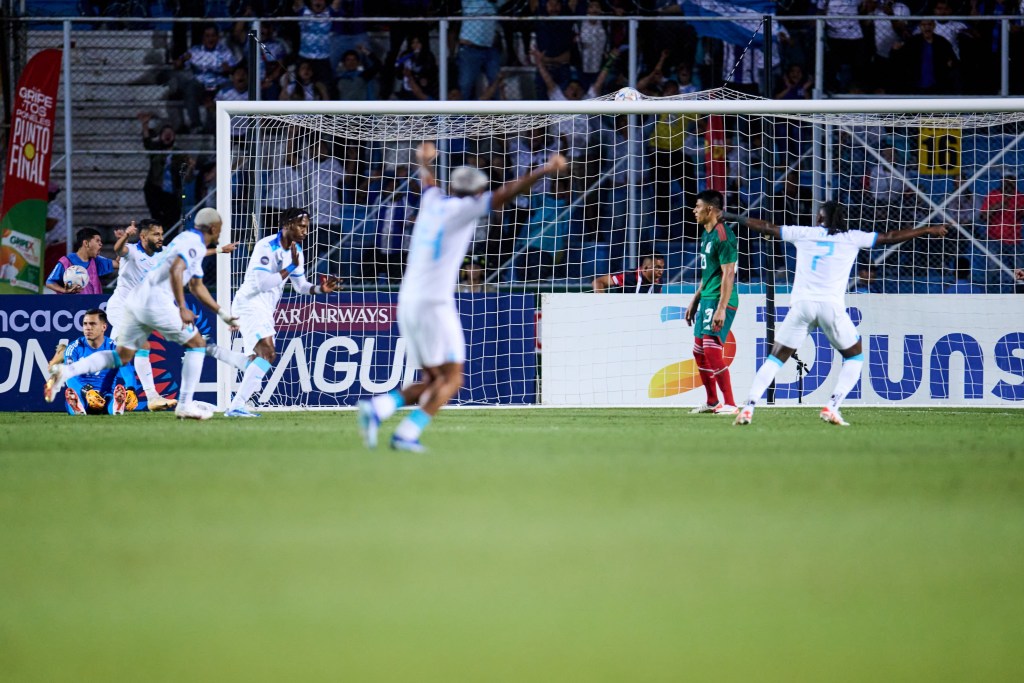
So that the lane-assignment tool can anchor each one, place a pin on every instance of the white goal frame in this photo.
(601, 106)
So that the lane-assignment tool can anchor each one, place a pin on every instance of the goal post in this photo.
(536, 331)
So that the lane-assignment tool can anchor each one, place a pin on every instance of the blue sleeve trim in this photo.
(265, 270)
(874, 239)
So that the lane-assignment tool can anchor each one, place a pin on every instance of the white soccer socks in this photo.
(385, 405)
(191, 368)
(92, 363)
(765, 374)
(412, 426)
(239, 360)
(848, 377)
(144, 369)
(251, 381)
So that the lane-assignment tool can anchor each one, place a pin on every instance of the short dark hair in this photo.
(98, 312)
(345, 54)
(292, 213)
(834, 217)
(147, 223)
(84, 235)
(712, 197)
(653, 257)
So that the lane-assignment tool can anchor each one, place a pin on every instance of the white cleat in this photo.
(706, 408)
(192, 411)
(745, 416)
(369, 424)
(725, 409)
(413, 446)
(160, 403)
(54, 382)
(240, 412)
(833, 417)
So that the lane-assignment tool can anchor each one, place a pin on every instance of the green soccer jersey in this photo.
(717, 247)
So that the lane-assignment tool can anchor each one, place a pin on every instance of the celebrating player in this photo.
(645, 279)
(275, 260)
(714, 304)
(824, 257)
(427, 317)
(158, 305)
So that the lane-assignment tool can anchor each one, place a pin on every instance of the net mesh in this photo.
(628, 195)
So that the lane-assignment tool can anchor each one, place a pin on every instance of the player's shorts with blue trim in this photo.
(432, 332)
(705, 315)
(255, 322)
(830, 317)
(144, 316)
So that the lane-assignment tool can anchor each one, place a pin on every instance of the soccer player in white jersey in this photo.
(158, 304)
(275, 260)
(824, 257)
(427, 317)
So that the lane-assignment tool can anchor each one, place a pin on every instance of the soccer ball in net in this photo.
(76, 276)
(627, 95)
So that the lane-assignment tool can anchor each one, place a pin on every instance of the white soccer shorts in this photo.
(115, 315)
(255, 322)
(143, 317)
(830, 317)
(433, 333)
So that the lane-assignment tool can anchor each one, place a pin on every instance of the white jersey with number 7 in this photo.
(823, 261)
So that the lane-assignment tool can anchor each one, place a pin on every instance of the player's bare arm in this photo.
(556, 163)
(178, 289)
(602, 283)
(425, 155)
(121, 245)
(728, 278)
(897, 236)
(222, 249)
(755, 224)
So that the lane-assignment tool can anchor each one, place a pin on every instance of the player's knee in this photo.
(268, 355)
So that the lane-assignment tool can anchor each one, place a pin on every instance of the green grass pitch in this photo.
(543, 545)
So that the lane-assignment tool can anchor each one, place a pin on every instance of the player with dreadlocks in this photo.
(824, 257)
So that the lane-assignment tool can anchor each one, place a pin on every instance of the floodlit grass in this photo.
(544, 545)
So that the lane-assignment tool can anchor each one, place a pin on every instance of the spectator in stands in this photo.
(285, 185)
(645, 279)
(554, 41)
(325, 174)
(950, 30)
(592, 42)
(392, 230)
(357, 75)
(348, 35)
(472, 278)
(844, 56)
(237, 90)
(302, 85)
(56, 229)
(209, 64)
(925, 63)
(401, 34)
(796, 85)
(273, 53)
(315, 37)
(478, 55)
(88, 244)
(866, 281)
(881, 36)
(168, 170)
(963, 283)
(419, 72)
(882, 185)
(1003, 212)
(544, 241)
(615, 178)
(669, 159)
(684, 78)
(572, 133)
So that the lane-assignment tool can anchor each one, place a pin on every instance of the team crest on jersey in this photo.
(265, 260)
(707, 249)
(192, 253)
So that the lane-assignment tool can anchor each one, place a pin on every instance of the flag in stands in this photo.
(738, 32)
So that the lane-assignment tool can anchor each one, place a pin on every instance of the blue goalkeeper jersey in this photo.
(102, 381)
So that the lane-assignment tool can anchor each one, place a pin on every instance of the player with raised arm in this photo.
(275, 260)
(714, 304)
(427, 317)
(824, 257)
(158, 305)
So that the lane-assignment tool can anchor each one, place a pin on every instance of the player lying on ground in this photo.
(644, 280)
(158, 305)
(136, 261)
(275, 260)
(427, 317)
(824, 258)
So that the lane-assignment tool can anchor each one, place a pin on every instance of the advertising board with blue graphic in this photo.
(921, 350)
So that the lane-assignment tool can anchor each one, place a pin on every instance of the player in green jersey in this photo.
(714, 304)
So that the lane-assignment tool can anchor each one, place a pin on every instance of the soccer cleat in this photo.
(120, 399)
(71, 397)
(240, 412)
(368, 424)
(54, 382)
(191, 411)
(160, 403)
(400, 444)
(833, 417)
(706, 408)
(725, 409)
(745, 416)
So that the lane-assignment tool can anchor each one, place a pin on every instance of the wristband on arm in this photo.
(290, 269)
(224, 315)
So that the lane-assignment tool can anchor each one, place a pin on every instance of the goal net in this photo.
(941, 316)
